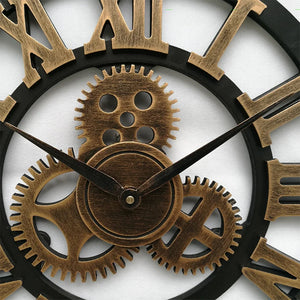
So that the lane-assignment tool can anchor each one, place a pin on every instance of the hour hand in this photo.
(103, 181)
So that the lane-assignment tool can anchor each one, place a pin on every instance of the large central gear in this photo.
(65, 216)
(124, 105)
(218, 242)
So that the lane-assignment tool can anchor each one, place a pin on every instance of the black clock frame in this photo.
(286, 34)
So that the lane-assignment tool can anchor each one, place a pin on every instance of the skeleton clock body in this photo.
(62, 237)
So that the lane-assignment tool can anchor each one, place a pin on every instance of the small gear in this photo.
(65, 216)
(218, 242)
(125, 106)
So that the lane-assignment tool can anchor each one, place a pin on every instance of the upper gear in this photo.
(65, 216)
(191, 227)
(123, 87)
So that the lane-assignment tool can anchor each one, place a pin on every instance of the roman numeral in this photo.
(284, 190)
(124, 38)
(209, 62)
(267, 279)
(52, 58)
(5, 107)
(264, 126)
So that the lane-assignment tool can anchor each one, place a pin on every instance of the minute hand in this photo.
(167, 174)
(103, 181)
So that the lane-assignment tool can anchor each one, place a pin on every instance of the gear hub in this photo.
(129, 221)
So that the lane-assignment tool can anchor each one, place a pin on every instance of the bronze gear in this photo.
(148, 217)
(124, 86)
(65, 216)
(191, 227)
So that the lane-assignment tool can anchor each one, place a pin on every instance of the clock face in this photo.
(129, 88)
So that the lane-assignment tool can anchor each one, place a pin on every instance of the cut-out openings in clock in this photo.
(93, 248)
(127, 119)
(111, 136)
(195, 248)
(145, 135)
(170, 236)
(143, 100)
(48, 232)
(108, 103)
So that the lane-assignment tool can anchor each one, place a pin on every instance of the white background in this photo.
(254, 61)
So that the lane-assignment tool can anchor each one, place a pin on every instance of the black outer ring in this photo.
(285, 32)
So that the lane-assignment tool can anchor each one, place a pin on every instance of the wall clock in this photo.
(227, 226)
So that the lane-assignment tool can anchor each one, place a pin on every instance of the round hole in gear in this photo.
(111, 136)
(108, 103)
(143, 100)
(145, 135)
(127, 119)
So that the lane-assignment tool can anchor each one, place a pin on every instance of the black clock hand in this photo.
(167, 174)
(104, 182)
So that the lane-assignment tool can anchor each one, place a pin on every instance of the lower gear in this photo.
(218, 241)
(65, 216)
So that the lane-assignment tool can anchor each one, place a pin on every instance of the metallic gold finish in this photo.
(5, 107)
(52, 58)
(131, 164)
(124, 38)
(41, 297)
(74, 230)
(266, 281)
(5, 264)
(209, 62)
(125, 85)
(130, 200)
(278, 190)
(9, 288)
(264, 126)
(192, 227)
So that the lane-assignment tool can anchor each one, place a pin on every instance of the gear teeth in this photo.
(18, 198)
(64, 274)
(164, 86)
(15, 217)
(188, 180)
(157, 79)
(45, 267)
(232, 202)
(105, 74)
(97, 78)
(112, 268)
(113, 70)
(81, 101)
(27, 179)
(85, 93)
(197, 181)
(94, 275)
(225, 257)
(103, 272)
(90, 85)
(123, 69)
(16, 207)
(24, 246)
(238, 218)
(235, 210)
(22, 188)
(54, 271)
(231, 251)
(142, 70)
(132, 69)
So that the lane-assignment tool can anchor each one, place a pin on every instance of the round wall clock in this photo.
(149, 149)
